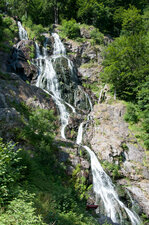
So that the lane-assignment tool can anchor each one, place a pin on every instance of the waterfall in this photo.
(59, 48)
(104, 188)
(102, 184)
(91, 106)
(47, 80)
(22, 32)
(80, 133)
(38, 54)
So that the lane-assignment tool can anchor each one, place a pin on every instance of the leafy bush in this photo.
(131, 114)
(10, 171)
(70, 28)
(33, 30)
(126, 65)
(112, 168)
(97, 36)
(7, 21)
(20, 211)
(8, 30)
(40, 126)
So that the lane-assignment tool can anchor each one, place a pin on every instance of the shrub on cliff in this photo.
(70, 28)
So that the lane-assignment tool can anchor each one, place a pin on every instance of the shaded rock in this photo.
(106, 220)
(140, 192)
(20, 60)
(15, 94)
(70, 170)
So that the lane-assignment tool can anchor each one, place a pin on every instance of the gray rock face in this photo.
(83, 53)
(69, 85)
(112, 141)
(86, 32)
(140, 191)
(14, 93)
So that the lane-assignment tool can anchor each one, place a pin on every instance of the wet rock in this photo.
(106, 220)
(111, 140)
(63, 156)
(20, 60)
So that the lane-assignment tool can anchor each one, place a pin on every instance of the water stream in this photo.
(22, 32)
(47, 80)
(104, 189)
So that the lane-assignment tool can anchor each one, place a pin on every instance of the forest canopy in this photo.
(103, 14)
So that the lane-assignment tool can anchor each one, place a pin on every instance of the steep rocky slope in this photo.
(117, 148)
(106, 132)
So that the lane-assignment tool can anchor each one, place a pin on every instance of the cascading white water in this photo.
(102, 183)
(38, 54)
(59, 48)
(47, 80)
(80, 133)
(91, 106)
(22, 32)
(104, 189)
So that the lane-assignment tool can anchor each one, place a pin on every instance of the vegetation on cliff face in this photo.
(126, 67)
(9, 31)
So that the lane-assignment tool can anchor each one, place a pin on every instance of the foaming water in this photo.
(22, 32)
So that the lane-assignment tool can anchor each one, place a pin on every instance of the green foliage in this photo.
(20, 211)
(10, 171)
(70, 29)
(126, 65)
(8, 30)
(97, 36)
(132, 113)
(94, 87)
(32, 52)
(34, 31)
(111, 168)
(131, 21)
(40, 126)
(145, 18)
(22, 108)
(80, 183)
(143, 96)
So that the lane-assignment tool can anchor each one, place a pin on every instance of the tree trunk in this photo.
(56, 14)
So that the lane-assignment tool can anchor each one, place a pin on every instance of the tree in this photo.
(131, 21)
(126, 65)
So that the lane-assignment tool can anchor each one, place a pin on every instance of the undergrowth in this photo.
(36, 188)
